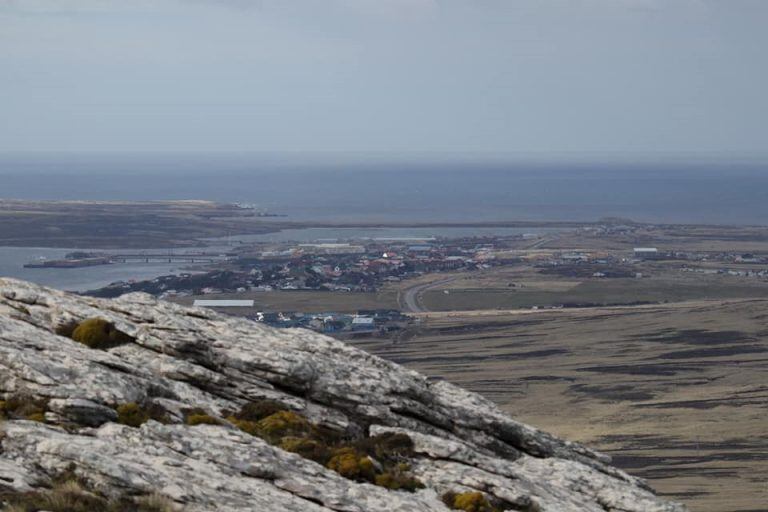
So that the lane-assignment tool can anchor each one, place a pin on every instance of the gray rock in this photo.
(82, 411)
(187, 357)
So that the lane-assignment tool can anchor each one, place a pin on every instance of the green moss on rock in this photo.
(132, 414)
(200, 417)
(249, 427)
(473, 501)
(308, 448)
(378, 459)
(36, 416)
(283, 424)
(353, 464)
(135, 415)
(398, 481)
(24, 407)
(99, 333)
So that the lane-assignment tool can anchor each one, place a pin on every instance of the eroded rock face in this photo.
(181, 358)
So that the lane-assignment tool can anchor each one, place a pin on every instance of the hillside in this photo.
(163, 407)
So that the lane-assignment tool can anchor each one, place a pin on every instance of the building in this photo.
(223, 303)
(646, 253)
(363, 323)
(574, 256)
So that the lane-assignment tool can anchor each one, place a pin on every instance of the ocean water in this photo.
(375, 190)
(360, 188)
(12, 260)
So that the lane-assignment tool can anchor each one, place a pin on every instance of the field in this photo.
(668, 237)
(526, 287)
(519, 287)
(676, 393)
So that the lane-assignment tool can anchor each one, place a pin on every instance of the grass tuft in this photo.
(200, 417)
(73, 496)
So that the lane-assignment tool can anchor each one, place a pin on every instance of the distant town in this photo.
(234, 280)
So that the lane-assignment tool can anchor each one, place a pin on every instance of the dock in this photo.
(108, 259)
(201, 257)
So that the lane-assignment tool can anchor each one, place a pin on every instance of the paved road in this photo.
(410, 298)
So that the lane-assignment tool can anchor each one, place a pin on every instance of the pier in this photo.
(107, 259)
(201, 257)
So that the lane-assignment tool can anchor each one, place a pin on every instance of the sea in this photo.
(381, 189)
(12, 260)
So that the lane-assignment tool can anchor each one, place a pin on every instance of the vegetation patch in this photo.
(353, 464)
(472, 501)
(200, 417)
(255, 411)
(379, 459)
(399, 478)
(308, 448)
(24, 407)
(283, 424)
(135, 415)
(249, 427)
(131, 414)
(99, 333)
(72, 496)
(270, 420)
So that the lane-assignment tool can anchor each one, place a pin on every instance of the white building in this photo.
(362, 323)
(646, 253)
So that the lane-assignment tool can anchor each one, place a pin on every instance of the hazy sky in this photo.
(618, 76)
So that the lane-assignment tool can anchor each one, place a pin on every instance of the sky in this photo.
(618, 77)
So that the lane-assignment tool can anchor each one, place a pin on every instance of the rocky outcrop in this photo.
(177, 359)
